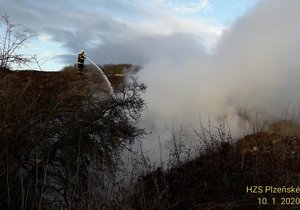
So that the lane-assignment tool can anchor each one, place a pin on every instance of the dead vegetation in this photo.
(217, 178)
(58, 141)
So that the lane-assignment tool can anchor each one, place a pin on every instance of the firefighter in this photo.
(80, 62)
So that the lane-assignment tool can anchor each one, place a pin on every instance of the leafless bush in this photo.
(12, 38)
(58, 149)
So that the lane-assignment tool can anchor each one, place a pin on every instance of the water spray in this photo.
(111, 90)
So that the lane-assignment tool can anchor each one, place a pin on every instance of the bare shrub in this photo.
(59, 147)
(13, 38)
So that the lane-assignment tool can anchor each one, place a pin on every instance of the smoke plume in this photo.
(252, 71)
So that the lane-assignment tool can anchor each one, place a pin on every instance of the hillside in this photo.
(25, 92)
(61, 82)
(59, 131)
(53, 130)
(219, 178)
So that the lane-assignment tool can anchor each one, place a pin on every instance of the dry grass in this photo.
(217, 178)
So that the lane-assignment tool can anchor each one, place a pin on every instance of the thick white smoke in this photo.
(254, 67)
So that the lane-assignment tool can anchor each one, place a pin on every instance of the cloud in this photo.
(109, 28)
(191, 6)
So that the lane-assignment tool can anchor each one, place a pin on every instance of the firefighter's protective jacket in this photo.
(81, 58)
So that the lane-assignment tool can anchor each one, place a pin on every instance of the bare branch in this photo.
(12, 39)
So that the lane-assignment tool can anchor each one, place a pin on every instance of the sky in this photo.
(118, 31)
(202, 60)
